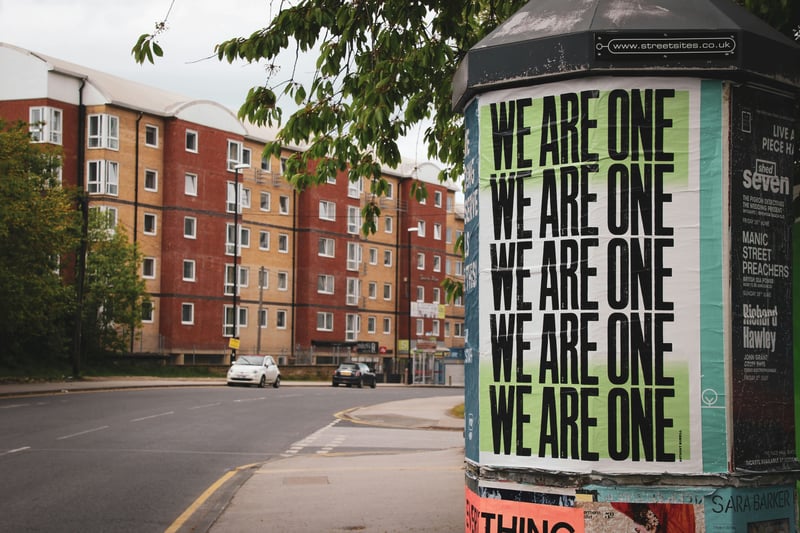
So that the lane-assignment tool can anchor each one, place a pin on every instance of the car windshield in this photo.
(249, 360)
(345, 366)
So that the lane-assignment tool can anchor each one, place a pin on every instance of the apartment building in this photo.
(230, 250)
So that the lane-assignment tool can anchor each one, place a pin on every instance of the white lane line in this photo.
(15, 450)
(15, 405)
(82, 433)
(153, 416)
(205, 406)
(250, 399)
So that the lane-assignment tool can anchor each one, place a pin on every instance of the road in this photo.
(135, 460)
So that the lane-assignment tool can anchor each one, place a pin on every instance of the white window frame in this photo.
(280, 319)
(326, 247)
(353, 219)
(325, 284)
(148, 218)
(102, 177)
(372, 324)
(388, 224)
(327, 210)
(283, 243)
(387, 325)
(420, 260)
(372, 255)
(192, 141)
(283, 204)
(46, 124)
(148, 172)
(355, 189)
(387, 291)
(353, 291)
(263, 240)
(324, 321)
(437, 232)
(372, 290)
(102, 131)
(352, 325)
(149, 268)
(265, 201)
(353, 256)
(193, 270)
(187, 306)
(189, 227)
(149, 128)
(283, 280)
(388, 258)
(190, 184)
(437, 198)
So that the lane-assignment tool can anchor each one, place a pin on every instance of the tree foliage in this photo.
(38, 227)
(114, 291)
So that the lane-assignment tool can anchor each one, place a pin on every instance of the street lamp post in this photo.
(236, 169)
(409, 366)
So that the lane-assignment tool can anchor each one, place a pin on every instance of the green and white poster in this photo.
(589, 276)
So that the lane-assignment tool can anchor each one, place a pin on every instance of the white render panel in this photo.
(29, 78)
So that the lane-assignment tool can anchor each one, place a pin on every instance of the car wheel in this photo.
(277, 383)
(263, 382)
(335, 384)
(360, 383)
(373, 385)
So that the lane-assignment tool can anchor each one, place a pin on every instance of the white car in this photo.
(258, 370)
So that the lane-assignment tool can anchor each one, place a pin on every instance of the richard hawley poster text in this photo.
(589, 265)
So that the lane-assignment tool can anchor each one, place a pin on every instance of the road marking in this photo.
(205, 406)
(153, 416)
(181, 520)
(14, 405)
(82, 433)
(15, 450)
(250, 399)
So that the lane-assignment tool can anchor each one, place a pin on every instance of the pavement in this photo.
(396, 490)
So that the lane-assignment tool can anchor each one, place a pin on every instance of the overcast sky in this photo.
(99, 34)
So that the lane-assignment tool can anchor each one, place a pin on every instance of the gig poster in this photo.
(762, 157)
(588, 276)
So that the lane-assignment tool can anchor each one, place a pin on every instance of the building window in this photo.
(45, 125)
(372, 324)
(190, 185)
(437, 263)
(188, 270)
(230, 200)
(187, 314)
(104, 131)
(283, 165)
(389, 190)
(191, 141)
(263, 240)
(227, 327)
(437, 198)
(151, 135)
(388, 224)
(263, 278)
(266, 164)
(325, 284)
(353, 291)
(447, 329)
(372, 290)
(420, 261)
(437, 232)
(326, 247)
(190, 227)
(150, 180)
(244, 239)
(387, 258)
(237, 154)
(421, 228)
(373, 256)
(230, 282)
(150, 224)
(436, 295)
(327, 210)
(265, 201)
(352, 327)
(280, 319)
(420, 293)
(354, 189)
(262, 318)
(283, 243)
(353, 220)
(353, 256)
(387, 325)
(283, 281)
(458, 329)
(148, 312)
(103, 177)
(149, 267)
(283, 205)
(324, 321)
(420, 329)
(387, 291)
(435, 328)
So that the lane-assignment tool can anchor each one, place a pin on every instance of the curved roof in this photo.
(549, 39)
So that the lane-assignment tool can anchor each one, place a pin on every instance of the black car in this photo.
(358, 374)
